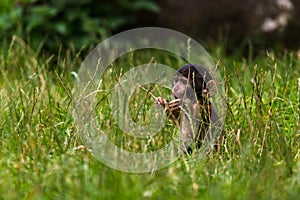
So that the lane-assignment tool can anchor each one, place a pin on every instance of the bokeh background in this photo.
(255, 45)
(55, 24)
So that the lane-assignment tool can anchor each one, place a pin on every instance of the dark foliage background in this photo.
(68, 23)
(51, 25)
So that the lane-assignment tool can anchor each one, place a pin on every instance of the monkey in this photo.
(191, 110)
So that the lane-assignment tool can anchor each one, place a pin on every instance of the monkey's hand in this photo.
(172, 105)
(172, 108)
(175, 105)
(162, 102)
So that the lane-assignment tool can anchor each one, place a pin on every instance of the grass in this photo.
(42, 156)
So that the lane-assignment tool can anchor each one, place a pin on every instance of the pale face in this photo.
(182, 88)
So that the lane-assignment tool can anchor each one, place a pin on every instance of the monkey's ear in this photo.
(211, 88)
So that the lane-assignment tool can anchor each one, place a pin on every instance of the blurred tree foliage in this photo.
(67, 22)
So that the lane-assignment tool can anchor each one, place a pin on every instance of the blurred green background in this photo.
(255, 45)
(55, 24)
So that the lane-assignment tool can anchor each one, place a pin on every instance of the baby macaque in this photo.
(191, 109)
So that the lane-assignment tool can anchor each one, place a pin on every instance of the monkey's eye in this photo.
(184, 81)
(176, 79)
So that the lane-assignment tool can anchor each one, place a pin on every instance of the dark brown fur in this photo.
(191, 110)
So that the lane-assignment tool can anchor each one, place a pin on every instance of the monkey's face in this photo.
(182, 88)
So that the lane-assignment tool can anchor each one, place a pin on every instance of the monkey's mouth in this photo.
(178, 96)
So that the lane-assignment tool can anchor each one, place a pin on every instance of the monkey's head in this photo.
(193, 81)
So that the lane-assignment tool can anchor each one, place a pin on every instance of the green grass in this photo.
(42, 156)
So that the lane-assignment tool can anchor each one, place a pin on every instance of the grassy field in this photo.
(42, 156)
